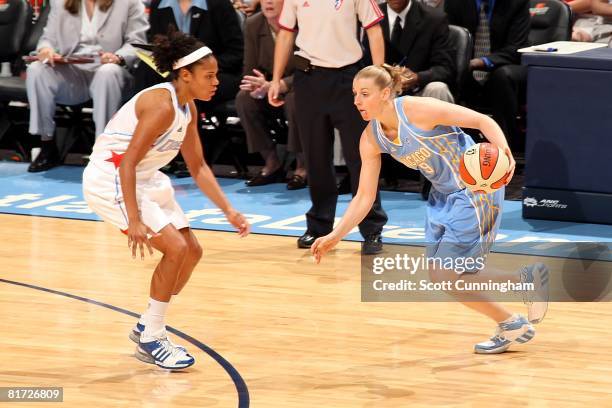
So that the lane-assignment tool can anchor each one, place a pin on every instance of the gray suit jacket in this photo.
(121, 25)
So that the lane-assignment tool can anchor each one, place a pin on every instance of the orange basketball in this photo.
(483, 168)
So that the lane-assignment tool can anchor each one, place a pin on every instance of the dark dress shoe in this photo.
(372, 245)
(297, 182)
(306, 240)
(262, 180)
(44, 161)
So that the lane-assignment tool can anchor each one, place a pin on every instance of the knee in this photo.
(177, 250)
(244, 101)
(438, 275)
(435, 87)
(109, 74)
(509, 75)
(500, 74)
(36, 71)
(194, 251)
(438, 90)
(242, 98)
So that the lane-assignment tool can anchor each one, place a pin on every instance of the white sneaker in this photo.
(136, 332)
(164, 354)
(537, 299)
(135, 337)
(518, 330)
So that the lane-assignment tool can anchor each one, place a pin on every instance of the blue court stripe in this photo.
(240, 384)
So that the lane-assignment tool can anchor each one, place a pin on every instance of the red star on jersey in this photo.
(115, 159)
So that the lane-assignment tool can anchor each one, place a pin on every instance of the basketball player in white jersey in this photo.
(123, 185)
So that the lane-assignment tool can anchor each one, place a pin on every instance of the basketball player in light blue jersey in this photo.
(425, 134)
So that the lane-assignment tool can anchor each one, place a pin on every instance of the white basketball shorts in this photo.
(155, 198)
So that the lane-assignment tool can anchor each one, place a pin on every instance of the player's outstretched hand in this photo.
(138, 237)
(239, 222)
(322, 245)
(510, 172)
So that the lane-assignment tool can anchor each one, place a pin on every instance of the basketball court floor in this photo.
(268, 327)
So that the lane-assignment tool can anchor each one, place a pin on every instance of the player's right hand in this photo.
(274, 94)
(46, 55)
(323, 245)
(138, 237)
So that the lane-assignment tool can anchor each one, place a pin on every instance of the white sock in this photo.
(512, 318)
(143, 317)
(154, 319)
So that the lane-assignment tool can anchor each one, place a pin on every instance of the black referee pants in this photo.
(324, 101)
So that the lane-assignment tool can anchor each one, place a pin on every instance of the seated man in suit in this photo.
(417, 37)
(104, 29)
(255, 112)
(499, 28)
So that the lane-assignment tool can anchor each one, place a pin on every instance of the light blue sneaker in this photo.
(537, 299)
(165, 354)
(516, 331)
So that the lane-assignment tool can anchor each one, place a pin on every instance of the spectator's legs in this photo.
(252, 113)
(505, 90)
(293, 141)
(46, 86)
(438, 90)
(109, 85)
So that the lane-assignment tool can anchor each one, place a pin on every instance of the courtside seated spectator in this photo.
(593, 22)
(498, 81)
(417, 38)
(248, 7)
(256, 114)
(104, 29)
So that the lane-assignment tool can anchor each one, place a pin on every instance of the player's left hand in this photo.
(510, 172)
(239, 222)
(323, 245)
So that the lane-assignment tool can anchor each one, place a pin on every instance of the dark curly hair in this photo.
(169, 48)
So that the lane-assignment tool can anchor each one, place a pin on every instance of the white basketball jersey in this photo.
(112, 144)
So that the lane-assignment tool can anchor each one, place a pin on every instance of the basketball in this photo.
(483, 168)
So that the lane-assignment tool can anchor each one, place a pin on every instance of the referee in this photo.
(327, 60)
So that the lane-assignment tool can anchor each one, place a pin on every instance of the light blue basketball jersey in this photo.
(459, 222)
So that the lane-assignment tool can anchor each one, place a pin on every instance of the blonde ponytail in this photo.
(394, 77)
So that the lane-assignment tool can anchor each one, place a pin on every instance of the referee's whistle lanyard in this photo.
(490, 11)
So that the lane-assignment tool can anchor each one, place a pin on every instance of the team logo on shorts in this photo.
(338, 4)
(170, 144)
